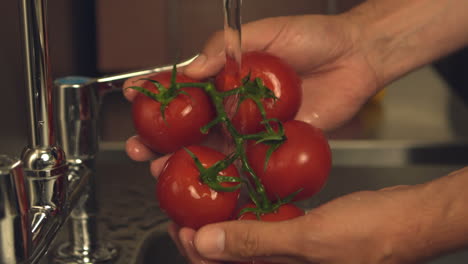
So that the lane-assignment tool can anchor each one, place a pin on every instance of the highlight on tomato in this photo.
(167, 118)
(264, 70)
(302, 162)
(282, 159)
(193, 192)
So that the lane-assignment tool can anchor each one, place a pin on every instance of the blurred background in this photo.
(137, 37)
(416, 131)
(94, 38)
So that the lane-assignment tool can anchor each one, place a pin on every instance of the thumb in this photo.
(247, 240)
(210, 61)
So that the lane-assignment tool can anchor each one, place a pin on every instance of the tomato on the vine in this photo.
(302, 162)
(277, 75)
(283, 213)
(182, 120)
(187, 200)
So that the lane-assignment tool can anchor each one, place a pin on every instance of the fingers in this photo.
(247, 240)
(258, 35)
(137, 151)
(183, 238)
(157, 165)
(211, 59)
(261, 35)
(135, 81)
(269, 29)
(186, 236)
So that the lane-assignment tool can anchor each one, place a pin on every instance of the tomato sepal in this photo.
(210, 176)
(256, 91)
(165, 95)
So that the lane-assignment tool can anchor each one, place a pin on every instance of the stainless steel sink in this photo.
(130, 218)
(158, 248)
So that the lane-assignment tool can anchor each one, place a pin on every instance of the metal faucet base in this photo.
(104, 253)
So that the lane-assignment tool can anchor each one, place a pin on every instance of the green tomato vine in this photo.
(254, 90)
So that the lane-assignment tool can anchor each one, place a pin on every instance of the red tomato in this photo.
(188, 201)
(185, 115)
(285, 212)
(303, 161)
(277, 75)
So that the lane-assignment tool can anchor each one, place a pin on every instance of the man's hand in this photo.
(343, 61)
(337, 78)
(374, 227)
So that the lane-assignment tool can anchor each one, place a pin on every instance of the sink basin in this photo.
(159, 248)
(130, 218)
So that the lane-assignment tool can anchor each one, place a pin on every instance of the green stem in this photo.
(230, 92)
(210, 175)
(257, 192)
(260, 189)
(239, 141)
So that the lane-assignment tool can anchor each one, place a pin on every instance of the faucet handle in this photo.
(77, 108)
(14, 207)
(77, 102)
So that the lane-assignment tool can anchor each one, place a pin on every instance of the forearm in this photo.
(401, 35)
(440, 222)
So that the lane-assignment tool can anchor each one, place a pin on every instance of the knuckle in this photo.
(249, 245)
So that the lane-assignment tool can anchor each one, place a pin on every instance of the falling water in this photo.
(232, 35)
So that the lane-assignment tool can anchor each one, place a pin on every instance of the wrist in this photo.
(434, 220)
(444, 225)
(398, 36)
(382, 36)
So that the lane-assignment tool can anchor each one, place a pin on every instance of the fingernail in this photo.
(199, 62)
(210, 241)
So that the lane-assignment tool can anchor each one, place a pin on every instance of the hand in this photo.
(366, 227)
(335, 233)
(337, 78)
(342, 67)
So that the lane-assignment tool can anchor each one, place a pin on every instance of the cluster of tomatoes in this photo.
(281, 159)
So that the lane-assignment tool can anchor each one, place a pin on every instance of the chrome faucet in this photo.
(53, 179)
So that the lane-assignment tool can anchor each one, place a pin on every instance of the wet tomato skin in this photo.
(277, 75)
(303, 161)
(285, 212)
(186, 200)
(185, 115)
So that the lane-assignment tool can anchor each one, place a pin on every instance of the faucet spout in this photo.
(38, 78)
(51, 183)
